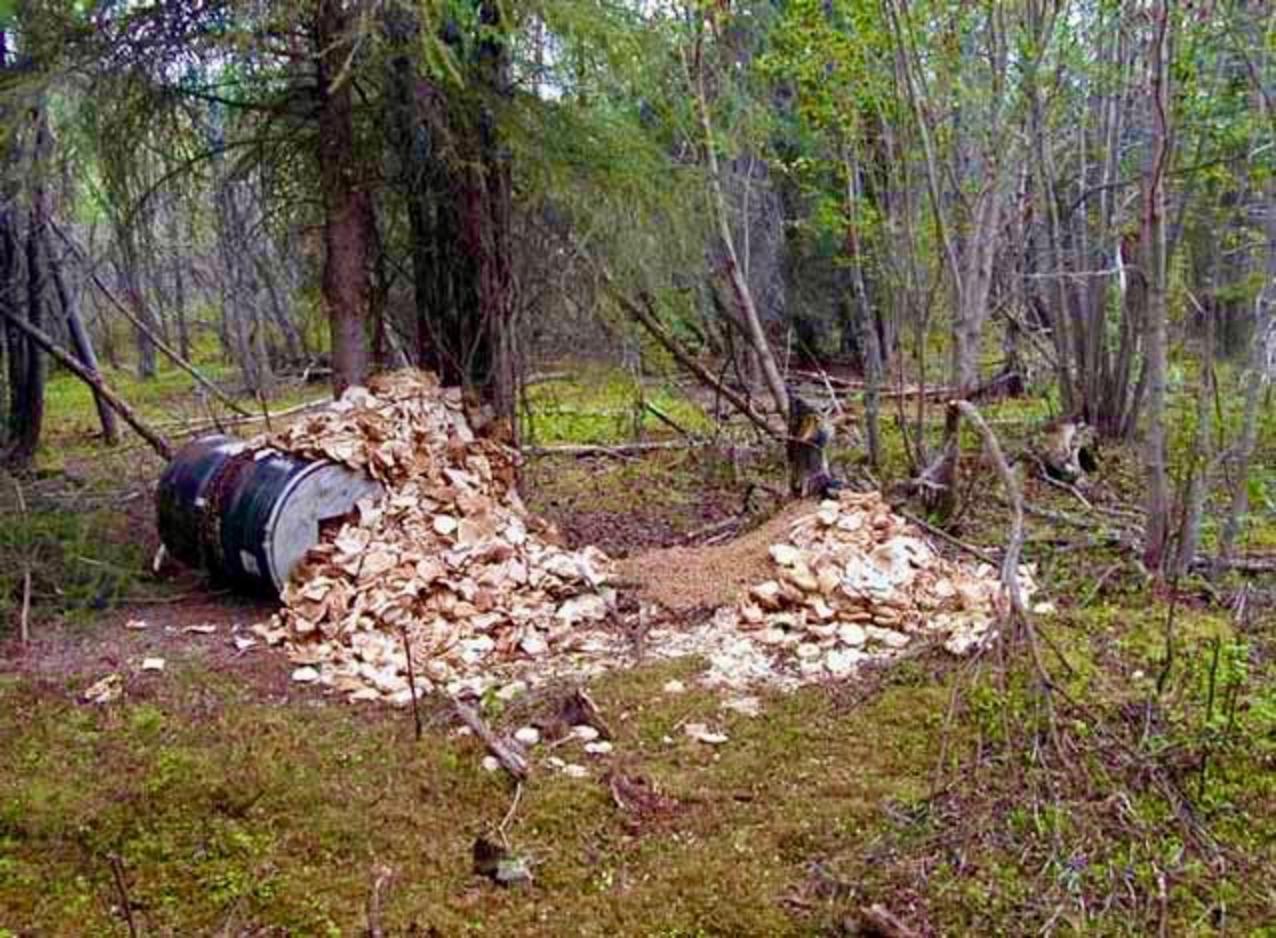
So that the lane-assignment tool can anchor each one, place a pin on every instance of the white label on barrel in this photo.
(249, 562)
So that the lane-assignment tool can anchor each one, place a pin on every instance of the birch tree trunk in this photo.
(751, 321)
(1202, 458)
(1156, 532)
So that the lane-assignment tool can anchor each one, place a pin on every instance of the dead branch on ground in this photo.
(93, 380)
(642, 312)
(1010, 563)
(506, 752)
(878, 921)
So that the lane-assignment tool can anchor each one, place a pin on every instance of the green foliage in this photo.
(607, 407)
(81, 562)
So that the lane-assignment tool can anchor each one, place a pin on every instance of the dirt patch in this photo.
(201, 632)
(686, 579)
(626, 506)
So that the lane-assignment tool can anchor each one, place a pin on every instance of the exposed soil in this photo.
(64, 653)
(606, 503)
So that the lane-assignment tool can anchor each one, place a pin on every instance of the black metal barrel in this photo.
(182, 496)
(248, 517)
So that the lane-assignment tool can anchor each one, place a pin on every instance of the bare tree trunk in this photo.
(972, 309)
(1262, 346)
(15, 343)
(348, 218)
(496, 284)
(10, 339)
(1202, 458)
(752, 322)
(179, 285)
(81, 344)
(1156, 533)
(410, 140)
(869, 337)
(144, 334)
(1057, 285)
(139, 325)
(294, 347)
(28, 404)
(1259, 379)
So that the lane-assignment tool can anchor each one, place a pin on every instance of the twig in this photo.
(509, 816)
(877, 920)
(1098, 585)
(1070, 489)
(265, 410)
(506, 752)
(984, 555)
(220, 423)
(24, 623)
(121, 887)
(416, 709)
(381, 876)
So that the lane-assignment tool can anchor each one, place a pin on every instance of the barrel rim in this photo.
(272, 519)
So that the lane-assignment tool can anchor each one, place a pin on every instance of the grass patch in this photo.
(225, 809)
(606, 406)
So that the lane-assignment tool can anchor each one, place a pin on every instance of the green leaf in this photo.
(8, 12)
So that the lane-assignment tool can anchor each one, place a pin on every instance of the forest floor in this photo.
(1136, 796)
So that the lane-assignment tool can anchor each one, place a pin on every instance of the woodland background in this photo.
(1050, 208)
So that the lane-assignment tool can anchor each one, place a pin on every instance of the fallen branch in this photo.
(1010, 561)
(93, 380)
(1240, 564)
(984, 555)
(507, 753)
(878, 921)
(667, 420)
(602, 449)
(1014, 544)
(714, 528)
(546, 377)
(652, 324)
